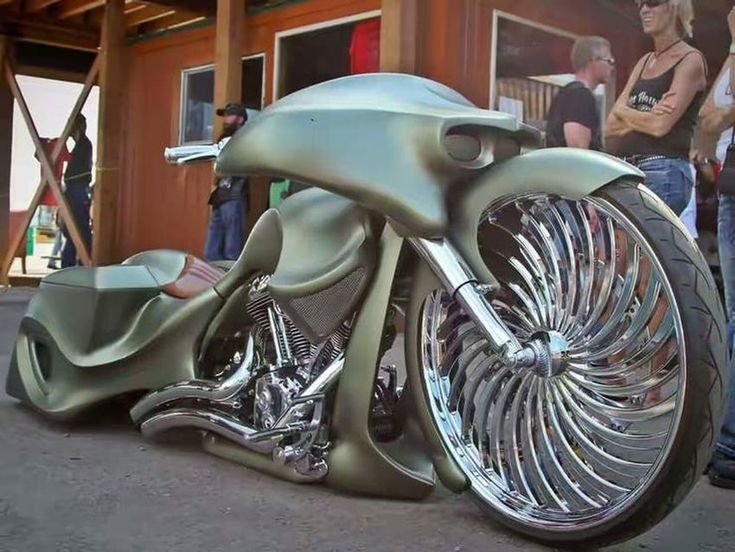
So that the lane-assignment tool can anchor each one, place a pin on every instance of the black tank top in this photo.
(646, 93)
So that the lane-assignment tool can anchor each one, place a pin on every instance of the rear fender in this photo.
(564, 172)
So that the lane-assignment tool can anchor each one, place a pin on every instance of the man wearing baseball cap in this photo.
(226, 233)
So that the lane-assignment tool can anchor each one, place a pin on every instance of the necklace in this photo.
(657, 55)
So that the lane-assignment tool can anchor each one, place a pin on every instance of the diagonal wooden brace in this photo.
(47, 164)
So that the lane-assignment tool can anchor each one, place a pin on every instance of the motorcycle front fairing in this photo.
(403, 146)
(414, 150)
(380, 140)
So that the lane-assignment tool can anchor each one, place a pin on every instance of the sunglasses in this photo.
(609, 61)
(650, 3)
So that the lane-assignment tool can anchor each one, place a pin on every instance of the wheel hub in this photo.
(552, 354)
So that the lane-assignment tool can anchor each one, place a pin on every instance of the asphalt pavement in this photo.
(99, 486)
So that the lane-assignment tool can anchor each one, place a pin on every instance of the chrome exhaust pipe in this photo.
(214, 422)
(325, 380)
(198, 389)
(222, 423)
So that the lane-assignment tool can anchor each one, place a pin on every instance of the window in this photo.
(314, 57)
(197, 98)
(198, 105)
(530, 65)
(317, 53)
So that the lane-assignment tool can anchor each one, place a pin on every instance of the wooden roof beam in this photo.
(44, 31)
(70, 8)
(204, 8)
(169, 22)
(147, 14)
(38, 5)
(131, 7)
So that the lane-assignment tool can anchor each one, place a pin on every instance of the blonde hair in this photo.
(685, 13)
(586, 49)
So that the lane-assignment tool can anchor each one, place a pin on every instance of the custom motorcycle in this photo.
(563, 339)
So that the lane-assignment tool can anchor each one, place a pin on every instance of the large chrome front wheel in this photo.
(609, 440)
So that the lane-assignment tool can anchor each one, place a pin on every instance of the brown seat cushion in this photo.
(196, 277)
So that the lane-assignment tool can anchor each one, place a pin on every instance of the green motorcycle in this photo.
(565, 352)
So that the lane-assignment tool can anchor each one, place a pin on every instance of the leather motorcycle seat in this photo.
(196, 276)
(178, 274)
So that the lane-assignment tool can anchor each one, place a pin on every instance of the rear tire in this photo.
(525, 475)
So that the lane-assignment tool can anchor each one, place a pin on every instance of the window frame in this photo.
(304, 29)
(184, 86)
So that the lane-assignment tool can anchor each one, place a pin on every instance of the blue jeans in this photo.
(77, 197)
(671, 180)
(226, 235)
(726, 239)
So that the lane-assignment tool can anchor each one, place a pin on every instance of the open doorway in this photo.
(50, 102)
(317, 53)
(50, 79)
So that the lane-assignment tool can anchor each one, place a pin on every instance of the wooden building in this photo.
(164, 65)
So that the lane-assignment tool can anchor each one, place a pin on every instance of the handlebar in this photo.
(186, 155)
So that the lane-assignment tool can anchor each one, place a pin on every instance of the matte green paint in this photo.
(261, 254)
(165, 265)
(376, 139)
(139, 343)
(325, 239)
(357, 463)
(565, 172)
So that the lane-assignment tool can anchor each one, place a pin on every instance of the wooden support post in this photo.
(109, 133)
(399, 36)
(228, 56)
(6, 148)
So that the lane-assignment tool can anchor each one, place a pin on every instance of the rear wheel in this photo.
(609, 442)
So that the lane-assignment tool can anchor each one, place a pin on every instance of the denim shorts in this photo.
(671, 180)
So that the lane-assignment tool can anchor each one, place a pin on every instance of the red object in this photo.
(64, 157)
(365, 47)
(716, 170)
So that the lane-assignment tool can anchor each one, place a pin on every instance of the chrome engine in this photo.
(268, 395)
(291, 361)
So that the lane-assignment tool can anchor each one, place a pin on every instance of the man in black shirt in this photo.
(226, 233)
(573, 120)
(77, 178)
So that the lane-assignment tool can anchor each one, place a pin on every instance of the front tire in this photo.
(605, 448)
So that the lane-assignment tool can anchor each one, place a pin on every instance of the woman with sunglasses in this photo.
(652, 123)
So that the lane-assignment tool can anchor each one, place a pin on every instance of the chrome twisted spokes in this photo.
(569, 447)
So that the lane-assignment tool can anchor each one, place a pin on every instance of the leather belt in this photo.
(640, 159)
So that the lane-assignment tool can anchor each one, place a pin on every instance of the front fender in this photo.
(565, 172)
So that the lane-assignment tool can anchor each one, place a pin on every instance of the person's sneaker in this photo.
(722, 471)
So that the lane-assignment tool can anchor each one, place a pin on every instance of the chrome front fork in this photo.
(459, 281)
